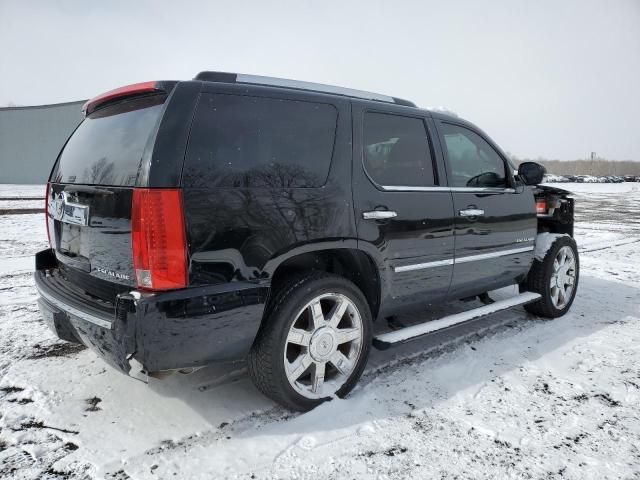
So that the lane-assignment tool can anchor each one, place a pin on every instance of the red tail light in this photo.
(541, 206)
(158, 239)
(46, 212)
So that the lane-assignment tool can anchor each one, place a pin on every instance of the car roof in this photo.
(329, 90)
(258, 80)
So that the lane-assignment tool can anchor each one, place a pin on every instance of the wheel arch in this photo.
(343, 259)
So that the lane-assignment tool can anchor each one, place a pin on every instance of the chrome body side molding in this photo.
(402, 188)
(470, 258)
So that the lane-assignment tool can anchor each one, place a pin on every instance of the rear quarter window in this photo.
(107, 147)
(243, 141)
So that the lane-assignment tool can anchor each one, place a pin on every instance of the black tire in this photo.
(539, 279)
(265, 361)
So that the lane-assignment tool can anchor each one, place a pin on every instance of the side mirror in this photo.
(531, 173)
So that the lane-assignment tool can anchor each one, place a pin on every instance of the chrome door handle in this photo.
(471, 212)
(378, 215)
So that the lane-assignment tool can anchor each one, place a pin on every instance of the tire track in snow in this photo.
(606, 247)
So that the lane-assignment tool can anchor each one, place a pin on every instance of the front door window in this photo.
(473, 162)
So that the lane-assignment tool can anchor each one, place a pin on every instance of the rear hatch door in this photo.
(90, 193)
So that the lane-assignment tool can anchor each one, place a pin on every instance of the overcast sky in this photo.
(552, 78)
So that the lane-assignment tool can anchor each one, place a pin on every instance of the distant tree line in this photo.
(596, 166)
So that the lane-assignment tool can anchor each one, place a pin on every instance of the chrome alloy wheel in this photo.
(323, 345)
(563, 278)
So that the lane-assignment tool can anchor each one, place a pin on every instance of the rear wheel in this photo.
(555, 278)
(314, 342)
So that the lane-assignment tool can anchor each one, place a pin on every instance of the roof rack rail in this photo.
(226, 77)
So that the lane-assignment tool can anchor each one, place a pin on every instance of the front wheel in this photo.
(314, 342)
(555, 278)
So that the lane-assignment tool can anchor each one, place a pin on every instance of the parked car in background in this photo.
(554, 178)
(551, 178)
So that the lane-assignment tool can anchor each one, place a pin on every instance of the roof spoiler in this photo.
(136, 89)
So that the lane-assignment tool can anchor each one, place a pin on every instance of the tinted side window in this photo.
(242, 141)
(473, 162)
(396, 150)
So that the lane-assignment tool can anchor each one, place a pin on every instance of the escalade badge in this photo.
(113, 274)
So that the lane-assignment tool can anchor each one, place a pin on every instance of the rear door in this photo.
(404, 216)
(90, 193)
(495, 223)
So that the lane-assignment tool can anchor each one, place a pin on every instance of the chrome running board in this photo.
(386, 340)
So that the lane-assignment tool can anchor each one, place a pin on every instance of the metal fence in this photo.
(31, 137)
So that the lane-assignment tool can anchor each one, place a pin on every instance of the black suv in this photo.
(236, 216)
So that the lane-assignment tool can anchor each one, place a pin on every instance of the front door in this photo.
(495, 220)
(404, 218)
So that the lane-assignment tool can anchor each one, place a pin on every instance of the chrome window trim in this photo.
(398, 188)
(75, 312)
(466, 259)
(404, 188)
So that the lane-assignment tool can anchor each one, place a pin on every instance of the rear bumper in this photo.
(153, 331)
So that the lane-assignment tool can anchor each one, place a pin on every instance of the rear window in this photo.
(243, 141)
(107, 147)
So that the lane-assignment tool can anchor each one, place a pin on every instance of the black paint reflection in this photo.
(235, 231)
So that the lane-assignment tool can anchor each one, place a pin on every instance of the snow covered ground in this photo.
(513, 396)
(8, 190)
